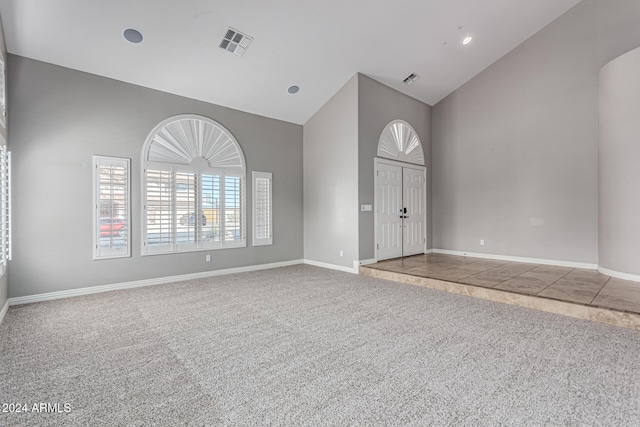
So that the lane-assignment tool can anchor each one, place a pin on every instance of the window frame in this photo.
(200, 167)
(3, 91)
(96, 162)
(255, 217)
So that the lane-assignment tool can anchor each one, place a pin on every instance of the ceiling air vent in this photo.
(236, 42)
(412, 78)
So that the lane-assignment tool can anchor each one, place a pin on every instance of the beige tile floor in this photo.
(574, 285)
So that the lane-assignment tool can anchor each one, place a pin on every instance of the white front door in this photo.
(388, 210)
(400, 211)
(414, 209)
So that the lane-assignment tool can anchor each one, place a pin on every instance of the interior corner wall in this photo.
(331, 180)
(618, 159)
(379, 105)
(61, 117)
(515, 148)
(4, 284)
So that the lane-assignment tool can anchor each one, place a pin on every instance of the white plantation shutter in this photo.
(193, 187)
(5, 208)
(262, 209)
(186, 210)
(112, 211)
(211, 207)
(160, 186)
(232, 208)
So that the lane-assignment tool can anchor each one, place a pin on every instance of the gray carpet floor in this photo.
(307, 346)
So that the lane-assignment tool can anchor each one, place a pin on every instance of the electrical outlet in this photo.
(481, 242)
(341, 253)
(207, 258)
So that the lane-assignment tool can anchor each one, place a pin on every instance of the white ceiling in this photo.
(317, 45)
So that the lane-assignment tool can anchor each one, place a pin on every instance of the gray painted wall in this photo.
(378, 105)
(331, 180)
(619, 174)
(515, 148)
(61, 117)
(4, 284)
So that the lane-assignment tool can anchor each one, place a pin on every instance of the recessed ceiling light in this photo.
(411, 78)
(467, 40)
(133, 36)
(293, 89)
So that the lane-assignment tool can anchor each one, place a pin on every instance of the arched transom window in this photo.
(399, 141)
(193, 187)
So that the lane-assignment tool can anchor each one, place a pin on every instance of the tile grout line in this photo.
(492, 268)
(605, 284)
(524, 272)
(552, 283)
(517, 275)
(473, 274)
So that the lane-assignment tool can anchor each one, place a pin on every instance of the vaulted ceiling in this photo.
(316, 45)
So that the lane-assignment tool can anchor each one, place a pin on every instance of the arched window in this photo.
(193, 187)
(399, 141)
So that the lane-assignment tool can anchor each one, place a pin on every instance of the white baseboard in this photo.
(332, 266)
(618, 275)
(428, 251)
(4, 310)
(357, 264)
(520, 259)
(146, 282)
